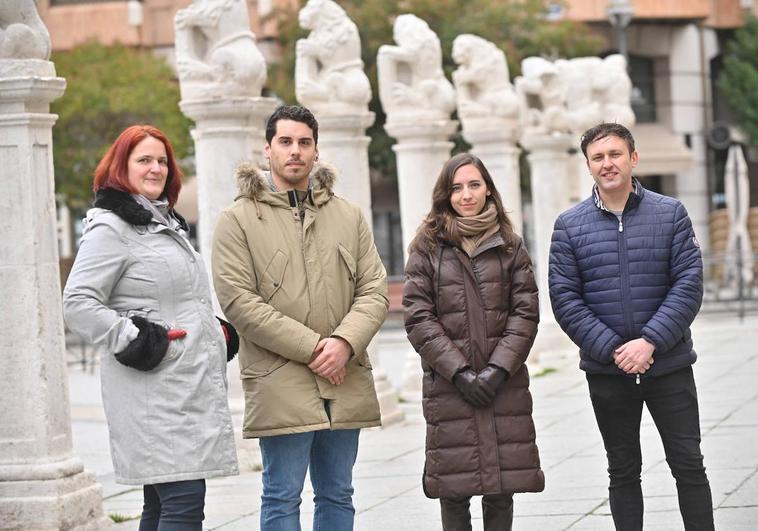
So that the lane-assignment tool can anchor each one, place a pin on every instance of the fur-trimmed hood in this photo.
(253, 183)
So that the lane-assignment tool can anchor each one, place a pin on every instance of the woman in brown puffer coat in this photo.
(471, 312)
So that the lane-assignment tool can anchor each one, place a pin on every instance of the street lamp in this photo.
(620, 13)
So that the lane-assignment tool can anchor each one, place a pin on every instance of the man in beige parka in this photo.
(297, 273)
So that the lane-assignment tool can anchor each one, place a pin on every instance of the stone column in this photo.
(498, 150)
(491, 113)
(227, 132)
(686, 110)
(583, 181)
(418, 100)
(549, 162)
(331, 82)
(342, 141)
(421, 150)
(43, 485)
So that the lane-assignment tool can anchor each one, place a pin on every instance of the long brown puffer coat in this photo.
(459, 312)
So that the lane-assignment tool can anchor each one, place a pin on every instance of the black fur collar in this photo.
(124, 206)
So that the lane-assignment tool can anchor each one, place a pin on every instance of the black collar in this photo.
(124, 206)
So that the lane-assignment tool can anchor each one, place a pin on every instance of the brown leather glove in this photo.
(471, 388)
(491, 378)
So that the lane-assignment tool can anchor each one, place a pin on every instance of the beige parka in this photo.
(285, 284)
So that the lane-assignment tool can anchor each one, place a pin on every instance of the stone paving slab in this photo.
(387, 475)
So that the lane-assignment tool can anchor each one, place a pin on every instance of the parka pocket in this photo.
(273, 275)
(263, 364)
(349, 261)
(175, 347)
(364, 360)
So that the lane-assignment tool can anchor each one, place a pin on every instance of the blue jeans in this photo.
(672, 402)
(330, 455)
(176, 506)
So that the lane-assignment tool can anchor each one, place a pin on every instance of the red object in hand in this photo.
(176, 333)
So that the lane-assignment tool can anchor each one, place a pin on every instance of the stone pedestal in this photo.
(227, 132)
(342, 141)
(421, 151)
(498, 150)
(43, 485)
(548, 159)
(583, 181)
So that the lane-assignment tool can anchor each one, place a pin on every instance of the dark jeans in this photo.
(176, 506)
(497, 512)
(671, 400)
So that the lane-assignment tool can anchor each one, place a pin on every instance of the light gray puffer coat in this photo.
(171, 423)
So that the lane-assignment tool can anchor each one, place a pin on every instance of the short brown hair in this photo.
(607, 129)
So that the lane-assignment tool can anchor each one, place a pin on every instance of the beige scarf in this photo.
(473, 230)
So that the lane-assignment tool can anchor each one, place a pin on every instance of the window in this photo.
(642, 73)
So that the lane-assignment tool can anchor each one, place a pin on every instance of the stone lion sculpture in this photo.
(329, 76)
(615, 90)
(543, 96)
(23, 35)
(216, 53)
(579, 78)
(596, 90)
(482, 82)
(411, 80)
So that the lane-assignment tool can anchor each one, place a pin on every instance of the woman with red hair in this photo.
(140, 292)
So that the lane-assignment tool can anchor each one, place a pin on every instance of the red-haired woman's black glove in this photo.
(147, 350)
(232, 339)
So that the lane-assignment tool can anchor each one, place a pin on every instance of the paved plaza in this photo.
(388, 495)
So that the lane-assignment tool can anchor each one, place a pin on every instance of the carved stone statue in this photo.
(216, 53)
(411, 81)
(613, 82)
(329, 76)
(543, 97)
(482, 81)
(22, 33)
(579, 77)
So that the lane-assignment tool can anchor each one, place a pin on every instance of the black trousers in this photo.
(497, 512)
(671, 400)
(175, 506)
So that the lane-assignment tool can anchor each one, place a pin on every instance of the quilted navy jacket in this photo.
(612, 282)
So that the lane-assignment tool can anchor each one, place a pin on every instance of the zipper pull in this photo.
(638, 379)
(621, 226)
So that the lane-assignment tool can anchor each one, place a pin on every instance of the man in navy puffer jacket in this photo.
(626, 281)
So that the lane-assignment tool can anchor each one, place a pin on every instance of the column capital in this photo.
(417, 132)
(229, 110)
(560, 142)
(489, 130)
(334, 122)
(12, 67)
(25, 94)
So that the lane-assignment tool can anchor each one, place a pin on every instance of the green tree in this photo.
(109, 89)
(739, 79)
(518, 27)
